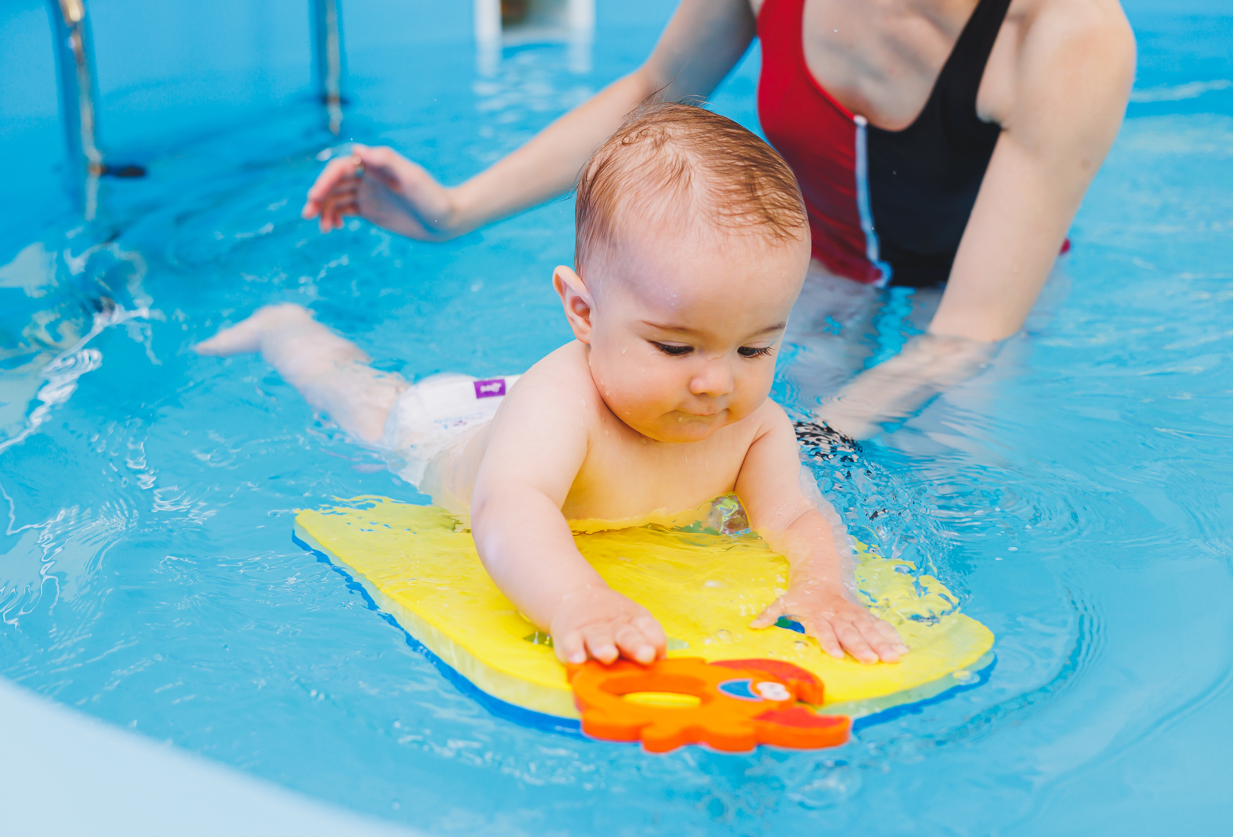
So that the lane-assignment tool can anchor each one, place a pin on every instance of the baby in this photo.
(692, 246)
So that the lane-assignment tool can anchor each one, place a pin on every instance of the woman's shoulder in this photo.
(1050, 29)
(1073, 63)
(1103, 19)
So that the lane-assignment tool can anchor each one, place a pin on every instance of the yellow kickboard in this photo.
(420, 566)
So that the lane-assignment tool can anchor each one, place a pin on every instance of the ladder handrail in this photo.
(77, 94)
(79, 91)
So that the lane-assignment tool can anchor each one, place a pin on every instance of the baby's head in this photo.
(692, 245)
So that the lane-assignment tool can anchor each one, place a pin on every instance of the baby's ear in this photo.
(576, 300)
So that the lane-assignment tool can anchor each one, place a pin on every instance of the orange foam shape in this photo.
(742, 703)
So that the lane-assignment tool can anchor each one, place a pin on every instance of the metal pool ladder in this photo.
(79, 91)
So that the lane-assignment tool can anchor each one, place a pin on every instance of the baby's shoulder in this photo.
(565, 368)
(559, 385)
(769, 418)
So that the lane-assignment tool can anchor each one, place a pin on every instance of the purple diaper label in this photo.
(490, 389)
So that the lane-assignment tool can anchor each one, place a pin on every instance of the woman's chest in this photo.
(882, 58)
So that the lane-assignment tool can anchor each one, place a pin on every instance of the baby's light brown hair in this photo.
(680, 168)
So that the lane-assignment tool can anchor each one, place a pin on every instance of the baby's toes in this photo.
(241, 338)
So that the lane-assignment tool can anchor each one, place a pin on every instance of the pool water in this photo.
(1076, 494)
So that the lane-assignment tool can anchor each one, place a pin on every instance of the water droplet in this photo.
(964, 676)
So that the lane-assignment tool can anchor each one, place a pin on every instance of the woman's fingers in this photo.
(333, 210)
(344, 192)
(335, 173)
(342, 208)
(383, 162)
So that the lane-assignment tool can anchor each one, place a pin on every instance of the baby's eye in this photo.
(750, 351)
(670, 349)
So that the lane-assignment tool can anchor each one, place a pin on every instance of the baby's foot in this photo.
(247, 336)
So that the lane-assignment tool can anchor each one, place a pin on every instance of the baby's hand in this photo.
(838, 624)
(598, 622)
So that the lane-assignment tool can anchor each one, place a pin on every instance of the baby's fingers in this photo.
(600, 643)
(824, 633)
(770, 614)
(635, 645)
(570, 648)
(654, 632)
(884, 639)
(854, 642)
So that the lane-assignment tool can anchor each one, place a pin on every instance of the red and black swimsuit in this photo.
(885, 207)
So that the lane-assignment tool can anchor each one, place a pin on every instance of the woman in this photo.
(938, 143)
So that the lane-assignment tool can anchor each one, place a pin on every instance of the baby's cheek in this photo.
(744, 404)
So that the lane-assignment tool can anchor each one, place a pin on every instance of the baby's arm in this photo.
(769, 488)
(538, 444)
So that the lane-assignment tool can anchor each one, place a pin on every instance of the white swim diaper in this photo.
(430, 416)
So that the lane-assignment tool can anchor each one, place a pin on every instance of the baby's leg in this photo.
(331, 373)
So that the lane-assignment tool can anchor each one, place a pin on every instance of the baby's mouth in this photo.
(682, 415)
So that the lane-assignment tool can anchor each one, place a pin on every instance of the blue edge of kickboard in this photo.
(572, 728)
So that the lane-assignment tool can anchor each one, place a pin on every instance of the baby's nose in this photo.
(714, 379)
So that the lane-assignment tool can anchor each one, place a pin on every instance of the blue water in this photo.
(1077, 494)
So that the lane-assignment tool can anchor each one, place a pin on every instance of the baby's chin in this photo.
(681, 428)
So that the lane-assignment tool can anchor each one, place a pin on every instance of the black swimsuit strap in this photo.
(959, 81)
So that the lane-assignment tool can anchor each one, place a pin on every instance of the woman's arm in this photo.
(702, 43)
(1060, 110)
(1072, 81)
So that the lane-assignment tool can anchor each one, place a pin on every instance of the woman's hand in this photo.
(704, 41)
(896, 388)
(387, 189)
(596, 621)
(837, 623)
